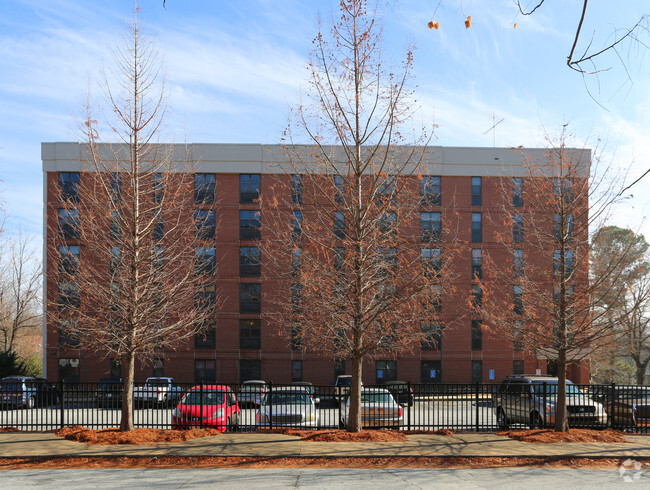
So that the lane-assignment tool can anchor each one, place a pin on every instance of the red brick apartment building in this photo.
(243, 346)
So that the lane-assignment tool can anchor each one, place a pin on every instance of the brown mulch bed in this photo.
(136, 436)
(549, 436)
(259, 462)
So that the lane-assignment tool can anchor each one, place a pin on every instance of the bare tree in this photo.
(553, 308)
(20, 290)
(343, 239)
(139, 280)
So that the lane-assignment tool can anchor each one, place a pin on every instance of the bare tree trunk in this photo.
(127, 396)
(354, 418)
(561, 422)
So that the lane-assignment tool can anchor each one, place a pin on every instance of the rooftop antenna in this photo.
(493, 128)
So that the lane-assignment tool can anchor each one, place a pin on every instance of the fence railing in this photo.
(247, 407)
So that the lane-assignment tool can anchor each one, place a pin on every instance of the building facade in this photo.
(229, 179)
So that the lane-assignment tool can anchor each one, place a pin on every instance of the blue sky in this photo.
(234, 68)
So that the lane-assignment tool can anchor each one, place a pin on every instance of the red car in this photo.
(213, 406)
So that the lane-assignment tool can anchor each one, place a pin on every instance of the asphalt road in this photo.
(399, 478)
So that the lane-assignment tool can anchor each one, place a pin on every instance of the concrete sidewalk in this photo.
(44, 444)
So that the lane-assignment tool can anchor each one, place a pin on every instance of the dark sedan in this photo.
(401, 391)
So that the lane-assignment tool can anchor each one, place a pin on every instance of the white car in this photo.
(288, 407)
(378, 409)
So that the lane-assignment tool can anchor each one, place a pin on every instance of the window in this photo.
(430, 190)
(249, 369)
(116, 260)
(386, 371)
(68, 338)
(250, 298)
(518, 303)
(116, 225)
(477, 227)
(385, 192)
(206, 339)
(518, 335)
(563, 233)
(250, 262)
(115, 368)
(296, 336)
(432, 336)
(296, 370)
(116, 186)
(430, 226)
(158, 259)
(158, 188)
(477, 198)
(518, 228)
(431, 261)
(477, 297)
(249, 225)
(517, 366)
(69, 186)
(563, 188)
(339, 258)
(204, 188)
(517, 191)
(518, 263)
(69, 294)
(339, 185)
(158, 230)
(436, 298)
(477, 371)
(249, 188)
(339, 226)
(158, 368)
(339, 368)
(69, 223)
(296, 189)
(477, 335)
(388, 222)
(205, 370)
(205, 298)
(69, 370)
(205, 261)
(477, 263)
(431, 372)
(296, 225)
(296, 298)
(568, 262)
(295, 261)
(68, 259)
(250, 334)
(205, 223)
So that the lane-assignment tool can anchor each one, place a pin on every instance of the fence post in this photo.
(201, 413)
(61, 404)
(408, 405)
(270, 399)
(477, 407)
(612, 389)
(544, 403)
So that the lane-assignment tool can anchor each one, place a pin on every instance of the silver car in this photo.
(378, 409)
(252, 392)
(288, 407)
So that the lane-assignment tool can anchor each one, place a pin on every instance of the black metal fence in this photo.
(248, 407)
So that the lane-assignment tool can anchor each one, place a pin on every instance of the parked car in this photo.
(157, 390)
(378, 409)
(291, 406)
(251, 392)
(627, 406)
(311, 389)
(109, 393)
(212, 406)
(401, 391)
(532, 400)
(27, 392)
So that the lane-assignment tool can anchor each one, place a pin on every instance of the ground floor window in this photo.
(69, 370)
(477, 371)
(296, 370)
(158, 368)
(430, 372)
(518, 366)
(339, 368)
(386, 371)
(116, 368)
(205, 370)
(250, 369)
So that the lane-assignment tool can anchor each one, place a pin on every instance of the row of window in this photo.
(250, 185)
(206, 370)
